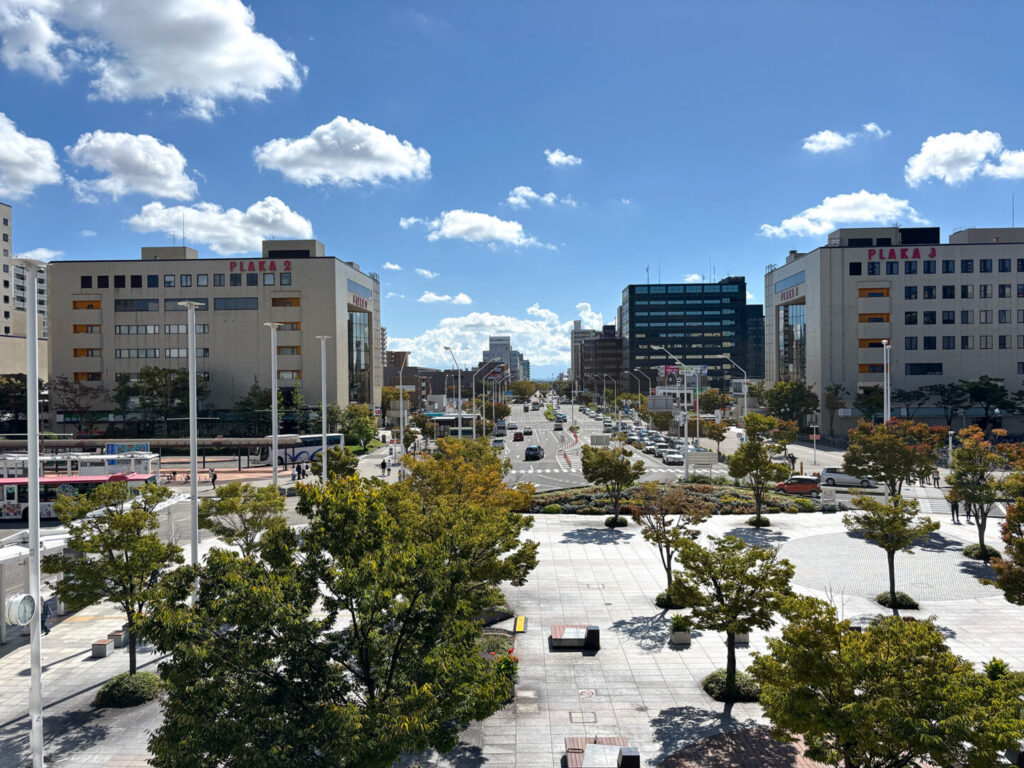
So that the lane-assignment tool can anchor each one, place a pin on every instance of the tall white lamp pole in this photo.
(323, 408)
(745, 384)
(273, 395)
(886, 357)
(458, 398)
(35, 691)
(193, 449)
(401, 409)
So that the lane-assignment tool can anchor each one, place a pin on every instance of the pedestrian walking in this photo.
(383, 466)
(293, 473)
(967, 509)
(935, 477)
(213, 479)
(954, 510)
(45, 617)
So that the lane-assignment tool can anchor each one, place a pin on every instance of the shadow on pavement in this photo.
(463, 756)
(650, 632)
(936, 542)
(679, 727)
(748, 748)
(758, 537)
(595, 536)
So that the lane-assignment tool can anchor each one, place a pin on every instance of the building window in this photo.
(88, 352)
(1020, 342)
(236, 280)
(202, 281)
(1004, 290)
(910, 292)
(88, 376)
(174, 328)
(295, 326)
(924, 369)
(874, 268)
(245, 302)
(1004, 342)
(985, 265)
(103, 281)
(910, 318)
(949, 342)
(218, 281)
(83, 304)
(929, 291)
(892, 267)
(949, 291)
(966, 316)
(966, 291)
(948, 266)
(910, 268)
(870, 293)
(268, 278)
(136, 281)
(168, 281)
(1020, 290)
(985, 342)
(152, 281)
(174, 305)
(877, 317)
(289, 375)
(1020, 369)
(182, 352)
(1004, 315)
(87, 329)
(870, 368)
(929, 268)
(85, 281)
(186, 281)
(131, 354)
(289, 350)
(135, 330)
(985, 291)
(136, 305)
(910, 342)
(1004, 265)
(855, 268)
(948, 317)
(966, 266)
(252, 279)
(119, 281)
(929, 318)
(286, 278)
(869, 343)
(966, 342)
(929, 342)
(985, 316)
(286, 301)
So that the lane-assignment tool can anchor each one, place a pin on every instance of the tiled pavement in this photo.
(637, 686)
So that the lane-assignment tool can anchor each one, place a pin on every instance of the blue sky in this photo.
(683, 137)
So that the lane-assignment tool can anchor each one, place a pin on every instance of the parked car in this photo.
(802, 485)
(533, 453)
(836, 476)
(517, 437)
(558, 426)
(527, 430)
(673, 457)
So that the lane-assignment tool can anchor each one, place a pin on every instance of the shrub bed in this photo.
(724, 500)
(616, 521)
(745, 688)
(127, 690)
(975, 552)
(903, 600)
(665, 602)
(759, 522)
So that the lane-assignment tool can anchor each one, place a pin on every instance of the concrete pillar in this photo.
(3, 604)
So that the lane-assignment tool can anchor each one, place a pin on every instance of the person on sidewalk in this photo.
(935, 477)
(967, 508)
(45, 617)
(954, 509)
(383, 466)
(213, 479)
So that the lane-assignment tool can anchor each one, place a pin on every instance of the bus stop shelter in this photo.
(14, 554)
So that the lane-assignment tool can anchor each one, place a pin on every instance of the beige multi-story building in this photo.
(117, 316)
(951, 311)
(16, 275)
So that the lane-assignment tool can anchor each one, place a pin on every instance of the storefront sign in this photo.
(359, 301)
(260, 266)
(789, 293)
(901, 253)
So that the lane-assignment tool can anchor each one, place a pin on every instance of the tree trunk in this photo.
(981, 521)
(757, 507)
(131, 643)
(730, 665)
(891, 557)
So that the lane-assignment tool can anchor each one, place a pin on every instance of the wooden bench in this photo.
(102, 648)
(585, 636)
(617, 752)
(120, 638)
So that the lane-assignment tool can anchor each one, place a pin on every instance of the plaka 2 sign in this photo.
(262, 265)
(901, 253)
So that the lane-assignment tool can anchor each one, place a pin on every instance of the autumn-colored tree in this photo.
(973, 479)
(767, 436)
(1010, 567)
(893, 452)
(663, 514)
(714, 431)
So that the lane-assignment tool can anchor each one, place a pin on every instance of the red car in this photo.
(517, 437)
(801, 485)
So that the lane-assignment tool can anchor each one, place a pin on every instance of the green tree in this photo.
(401, 573)
(424, 425)
(389, 395)
(358, 423)
(766, 437)
(297, 405)
(340, 463)
(712, 400)
(240, 514)
(124, 391)
(890, 453)
(890, 696)
(834, 401)
(731, 587)
(664, 513)
(714, 431)
(75, 397)
(256, 405)
(163, 392)
(334, 414)
(950, 397)
(522, 389)
(893, 526)
(1010, 567)
(611, 468)
(869, 401)
(990, 394)
(911, 399)
(790, 400)
(662, 420)
(973, 479)
(113, 533)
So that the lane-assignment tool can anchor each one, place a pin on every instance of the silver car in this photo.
(836, 476)
(673, 457)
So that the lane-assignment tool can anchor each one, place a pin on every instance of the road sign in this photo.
(113, 448)
(815, 437)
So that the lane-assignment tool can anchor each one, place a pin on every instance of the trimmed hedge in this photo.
(745, 688)
(759, 522)
(127, 690)
(551, 509)
(664, 602)
(903, 600)
(975, 552)
(616, 521)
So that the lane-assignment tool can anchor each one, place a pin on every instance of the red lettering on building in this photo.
(903, 253)
(287, 266)
(258, 266)
(871, 252)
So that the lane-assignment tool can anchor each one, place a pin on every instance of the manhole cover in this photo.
(587, 693)
(583, 717)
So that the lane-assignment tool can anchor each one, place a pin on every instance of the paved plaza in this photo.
(637, 686)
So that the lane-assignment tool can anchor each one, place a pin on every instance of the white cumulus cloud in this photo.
(957, 157)
(830, 141)
(39, 254)
(477, 227)
(132, 163)
(521, 197)
(88, 233)
(693, 277)
(590, 318)
(461, 298)
(407, 221)
(25, 162)
(225, 231)
(394, 295)
(558, 158)
(842, 210)
(750, 296)
(426, 273)
(389, 265)
(429, 297)
(199, 51)
(344, 152)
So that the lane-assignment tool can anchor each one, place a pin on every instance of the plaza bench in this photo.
(102, 648)
(600, 752)
(120, 638)
(585, 636)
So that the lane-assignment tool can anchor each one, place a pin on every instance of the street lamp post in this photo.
(458, 398)
(483, 395)
(615, 392)
(745, 383)
(886, 357)
(35, 689)
(323, 407)
(193, 449)
(273, 395)
(650, 386)
(684, 368)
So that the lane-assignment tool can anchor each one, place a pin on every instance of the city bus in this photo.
(310, 446)
(14, 491)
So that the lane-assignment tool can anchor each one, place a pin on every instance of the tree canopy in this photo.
(973, 478)
(240, 513)
(949, 397)
(834, 400)
(767, 436)
(990, 394)
(790, 400)
(664, 513)
(611, 468)
(869, 401)
(892, 452)
(340, 462)
(358, 424)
